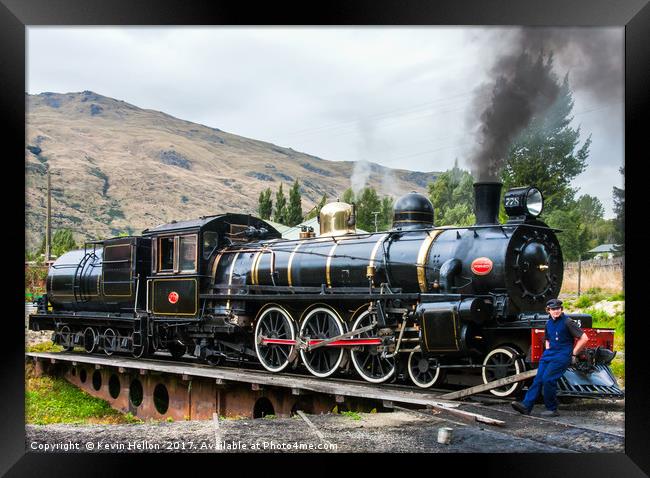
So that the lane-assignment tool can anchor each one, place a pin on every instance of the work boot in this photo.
(521, 408)
(550, 413)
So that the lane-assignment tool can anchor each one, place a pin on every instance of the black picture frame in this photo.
(16, 15)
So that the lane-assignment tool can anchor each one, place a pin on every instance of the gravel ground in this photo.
(394, 432)
(400, 431)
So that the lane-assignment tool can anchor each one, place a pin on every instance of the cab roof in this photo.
(216, 223)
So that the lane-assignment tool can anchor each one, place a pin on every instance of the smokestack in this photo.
(487, 199)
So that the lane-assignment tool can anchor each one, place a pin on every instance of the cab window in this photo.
(209, 243)
(187, 254)
(177, 253)
(166, 257)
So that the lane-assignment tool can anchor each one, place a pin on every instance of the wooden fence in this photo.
(605, 274)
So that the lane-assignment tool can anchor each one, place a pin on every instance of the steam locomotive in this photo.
(416, 302)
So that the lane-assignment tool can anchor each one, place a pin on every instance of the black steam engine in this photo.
(417, 301)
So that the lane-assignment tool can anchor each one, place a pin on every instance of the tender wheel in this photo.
(109, 342)
(367, 359)
(322, 323)
(66, 338)
(508, 364)
(90, 340)
(424, 371)
(274, 323)
(176, 349)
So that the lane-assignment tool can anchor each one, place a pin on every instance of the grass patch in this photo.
(48, 346)
(54, 400)
(352, 415)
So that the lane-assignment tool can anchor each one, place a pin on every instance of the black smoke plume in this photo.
(522, 85)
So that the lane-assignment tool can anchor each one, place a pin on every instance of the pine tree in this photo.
(452, 196)
(294, 210)
(546, 154)
(280, 214)
(348, 196)
(265, 206)
(62, 242)
(590, 208)
(367, 204)
(386, 216)
(575, 237)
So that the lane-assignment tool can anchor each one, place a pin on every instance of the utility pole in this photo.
(48, 224)
(376, 213)
(579, 271)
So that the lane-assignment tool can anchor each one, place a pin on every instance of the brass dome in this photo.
(335, 219)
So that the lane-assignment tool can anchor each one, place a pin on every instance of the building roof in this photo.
(281, 228)
(604, 248)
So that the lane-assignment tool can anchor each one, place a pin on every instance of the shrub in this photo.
(583, 302)
(617, 297)
(596, 294)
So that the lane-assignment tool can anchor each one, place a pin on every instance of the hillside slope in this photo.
(119, 168)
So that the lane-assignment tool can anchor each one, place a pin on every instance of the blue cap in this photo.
(554, 303)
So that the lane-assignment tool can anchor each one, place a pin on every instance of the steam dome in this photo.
(413, 211)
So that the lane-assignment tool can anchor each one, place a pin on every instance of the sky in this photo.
(400, 97)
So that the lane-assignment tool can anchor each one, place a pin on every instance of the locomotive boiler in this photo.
(415, 302)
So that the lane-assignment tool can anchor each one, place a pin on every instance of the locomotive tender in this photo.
(415, 301)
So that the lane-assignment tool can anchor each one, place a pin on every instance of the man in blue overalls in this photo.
(559, 354)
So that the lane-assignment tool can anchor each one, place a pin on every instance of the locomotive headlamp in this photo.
(526, 201)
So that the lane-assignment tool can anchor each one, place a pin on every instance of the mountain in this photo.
(119, 168)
